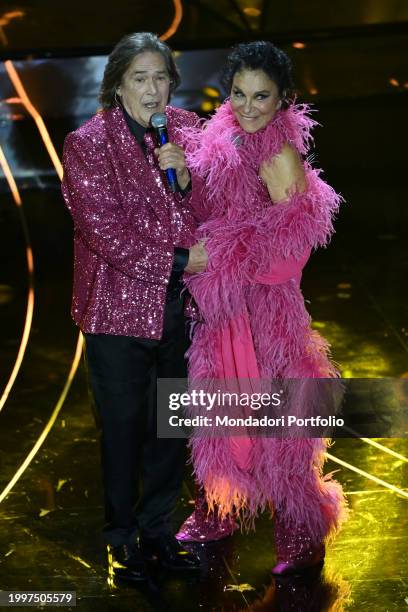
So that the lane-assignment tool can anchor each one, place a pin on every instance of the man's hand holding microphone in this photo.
(172, 160)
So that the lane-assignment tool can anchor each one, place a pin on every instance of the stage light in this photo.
(30, 270)
(41, 439)
(357, 470)
(207, 106)
(298, 45)
(252, 11)
(11, 71)
(384, 449)
(13, 15)
(211, 92)
(15, 79)
(178, 16)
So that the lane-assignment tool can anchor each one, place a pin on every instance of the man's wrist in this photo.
(181, 257)
(183, 179)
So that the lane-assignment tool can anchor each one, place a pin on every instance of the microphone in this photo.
(158, 122)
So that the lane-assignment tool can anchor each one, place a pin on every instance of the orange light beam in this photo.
(13, 15)
(15, 79)
(75, 363)
(49, 425)
(30, 268)
(178, 16)
(357, 470)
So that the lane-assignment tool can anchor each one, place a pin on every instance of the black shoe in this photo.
(126, 563)
(168, 552)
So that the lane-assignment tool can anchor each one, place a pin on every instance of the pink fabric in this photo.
(285, 269)
(238, 358)
(249, 295)
(238, 362)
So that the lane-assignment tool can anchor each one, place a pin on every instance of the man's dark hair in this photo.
(261, 55)
(121, 58)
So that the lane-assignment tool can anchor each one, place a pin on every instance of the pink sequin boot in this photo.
(202, 526)
(295, 549)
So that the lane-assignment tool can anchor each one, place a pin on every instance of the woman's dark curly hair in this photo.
(261, 55)
(121, 58)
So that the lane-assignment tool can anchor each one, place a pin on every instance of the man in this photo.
(133, 241)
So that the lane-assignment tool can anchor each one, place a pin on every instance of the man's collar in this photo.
(136, 128)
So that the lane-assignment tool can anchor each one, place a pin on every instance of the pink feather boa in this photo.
(244, 233)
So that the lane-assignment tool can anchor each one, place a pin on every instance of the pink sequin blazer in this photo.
(126, 224)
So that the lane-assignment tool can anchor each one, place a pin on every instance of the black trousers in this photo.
(142, 475)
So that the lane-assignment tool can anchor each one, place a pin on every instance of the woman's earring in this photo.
(117, 100)
(279, 104)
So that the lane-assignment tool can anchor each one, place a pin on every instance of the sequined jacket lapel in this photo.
(128, 160)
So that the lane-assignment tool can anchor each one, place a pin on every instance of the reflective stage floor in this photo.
(52, 516)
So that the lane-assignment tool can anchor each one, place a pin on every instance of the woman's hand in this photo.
(171, 155)
(283, 174)
(198, 258)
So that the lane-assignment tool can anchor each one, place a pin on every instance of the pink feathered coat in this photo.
(250, 297)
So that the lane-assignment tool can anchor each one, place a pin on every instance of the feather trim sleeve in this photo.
(304, 221)
(239, 251)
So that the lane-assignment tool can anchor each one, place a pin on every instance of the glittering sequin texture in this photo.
(127, 223)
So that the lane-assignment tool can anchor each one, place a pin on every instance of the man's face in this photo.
(145, 87)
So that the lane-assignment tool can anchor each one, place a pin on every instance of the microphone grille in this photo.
(158, 120)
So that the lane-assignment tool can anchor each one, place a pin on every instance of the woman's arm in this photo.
(283, 174)
(241, 251)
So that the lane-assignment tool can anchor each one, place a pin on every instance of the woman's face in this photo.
(254, 99)
(145, 87)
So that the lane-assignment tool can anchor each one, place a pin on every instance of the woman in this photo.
(262, 209)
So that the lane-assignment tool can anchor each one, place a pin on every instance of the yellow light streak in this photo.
(357, 470)
(11, 71)
(81, 561)
(178, 16)
(15, 79)
(49, 425)
(30, 268)
(381, 447)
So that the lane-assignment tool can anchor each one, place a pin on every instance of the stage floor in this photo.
(52, 517)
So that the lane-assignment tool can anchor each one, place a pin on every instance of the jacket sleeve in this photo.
(89, 191)
(198, 201)
(239, 252)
